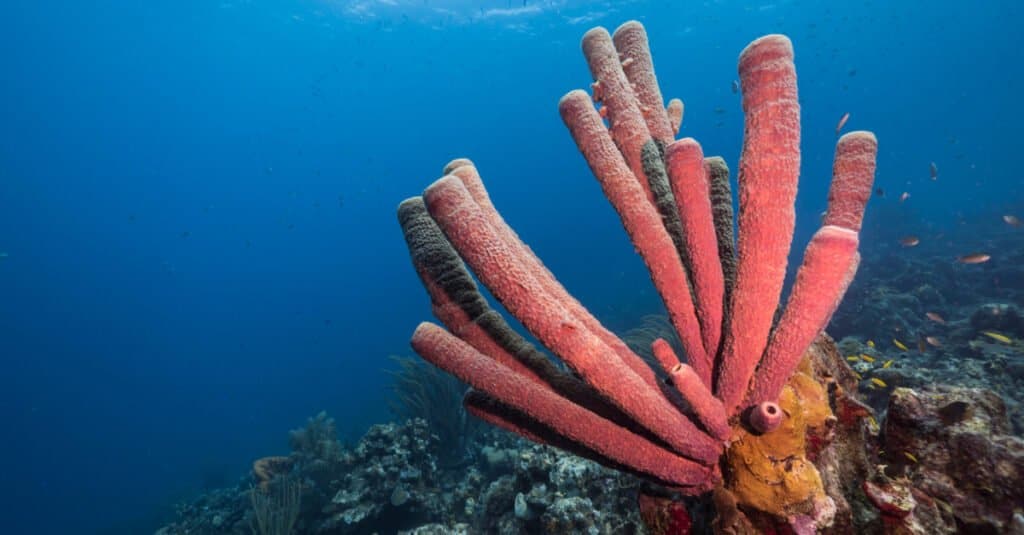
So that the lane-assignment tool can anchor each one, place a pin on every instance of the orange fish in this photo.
(904, 196)
(974, 258)
(909, 241)
(842, 122)
(1012, 220)
(935, 317)
(934, 169)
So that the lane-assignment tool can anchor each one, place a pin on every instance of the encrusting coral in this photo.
(741, 411)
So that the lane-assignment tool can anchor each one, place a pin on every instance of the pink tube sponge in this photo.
(693, 389)
(685, 162)
(631, 43)
(829, 264)
(641, 220)
(721, 294)
(853, 174)
(496, 264)
(573, 422)
(765, 417)
(769, 169)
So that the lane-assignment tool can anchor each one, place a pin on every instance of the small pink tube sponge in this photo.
(765, 417)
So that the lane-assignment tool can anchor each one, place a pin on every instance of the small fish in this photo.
(904, 196)
(735, 86)
(867, 358)
(873, 421)
(1012, 220)
(899, 344)
(871, 343)
(934, 171)
(909, 241)
(935, 317)
(933, 341)
(910, 456)
(999, 337)
(858, 376)
(880, 192)
(842, 122)
(887, 364)
(878, 382)
(974, 258)
(853, 358)
(921, 347)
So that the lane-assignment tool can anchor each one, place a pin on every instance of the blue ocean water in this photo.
(198, 246)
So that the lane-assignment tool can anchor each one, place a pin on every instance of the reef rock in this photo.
(952, 445)
(390, 482)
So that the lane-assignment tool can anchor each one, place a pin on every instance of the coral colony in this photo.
(743, 398)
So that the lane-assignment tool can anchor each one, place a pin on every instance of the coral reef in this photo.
(390, 483)
(940, 312)
(965, 356)
(962, 476)
(693, 433)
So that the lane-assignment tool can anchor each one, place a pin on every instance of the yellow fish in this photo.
(867, 358)
(996, 336)
(852, 358)
(879, 382)
(910, 456)
(887, 363)
(871, 343)
(899, 344)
